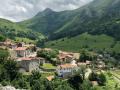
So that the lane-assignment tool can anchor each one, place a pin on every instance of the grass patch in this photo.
(46, 74)
(96, 42)
(26, 40)
(48, 66)
(110, 84)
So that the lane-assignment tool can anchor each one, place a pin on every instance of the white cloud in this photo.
(17, 10)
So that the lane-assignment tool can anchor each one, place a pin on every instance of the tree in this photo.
(56, 82)
(11, 68)
(40, 43)
(22, 84)
(86, 85)
(48, 85)
(93, 76)
(101, 79)
(37, 86)
(64, 87)
(2, 38)
(3, 55)
(84, 55)
(76, 81)
(3, 74)
(81, 72)
(35, 76)
(49, 55)
(59, 84)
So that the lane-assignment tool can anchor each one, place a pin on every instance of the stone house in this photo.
(22, 51)
(13, 54)
(29, 64)
(65, 57)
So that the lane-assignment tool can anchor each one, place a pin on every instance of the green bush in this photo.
(101, 79)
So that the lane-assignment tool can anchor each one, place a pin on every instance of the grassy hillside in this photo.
(12, 30)
(93, 42)
(100, 18)
(97, 17)
(48, 21)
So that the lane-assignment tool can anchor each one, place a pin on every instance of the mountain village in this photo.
(52, 63)
(60, 45)
(28, 60)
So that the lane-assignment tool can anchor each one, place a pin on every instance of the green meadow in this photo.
(95, 42)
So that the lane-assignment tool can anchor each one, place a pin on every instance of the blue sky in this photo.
(18, 10)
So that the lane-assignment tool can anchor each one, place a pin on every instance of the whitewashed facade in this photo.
(66, 69)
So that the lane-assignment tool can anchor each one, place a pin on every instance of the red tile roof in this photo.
(26, 59)
(21, 48)
(29, 58)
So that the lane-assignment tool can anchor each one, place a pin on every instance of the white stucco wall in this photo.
(66, 70)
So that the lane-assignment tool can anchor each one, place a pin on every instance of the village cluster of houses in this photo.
(24, 54)
(26, 57)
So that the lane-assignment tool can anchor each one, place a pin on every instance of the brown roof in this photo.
(67, 66)
(64, 55)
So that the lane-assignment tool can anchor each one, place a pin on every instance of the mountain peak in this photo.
(48, 10)
(45, 12)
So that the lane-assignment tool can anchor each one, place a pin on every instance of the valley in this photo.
(76, 49)
(86, 41)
